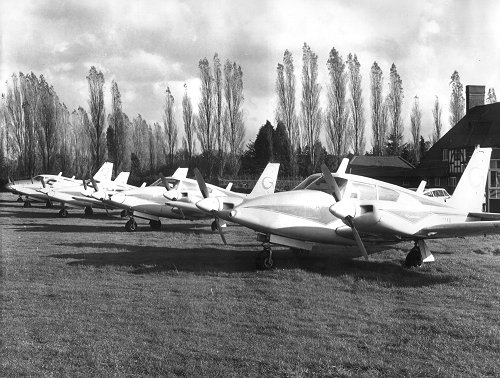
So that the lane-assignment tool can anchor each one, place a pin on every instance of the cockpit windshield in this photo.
(304, 184)
(321, 184)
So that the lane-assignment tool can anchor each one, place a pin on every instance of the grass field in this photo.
(82, 297)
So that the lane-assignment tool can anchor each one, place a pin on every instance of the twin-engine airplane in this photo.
(176, 197)
(77, 195)
(346, 209)
(31, 188)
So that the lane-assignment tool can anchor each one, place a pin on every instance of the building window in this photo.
(494, 181)
(445, 154)
(457, 159)
(437, 181)
(452, 181)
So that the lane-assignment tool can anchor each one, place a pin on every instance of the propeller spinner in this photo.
(343, 209)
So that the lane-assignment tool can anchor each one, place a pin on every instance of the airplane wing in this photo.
(449, 230)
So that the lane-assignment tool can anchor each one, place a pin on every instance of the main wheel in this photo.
(155, 224)
(27, 204)
(213, 226)
(63, 213)
(413, 258)
(123, 214)
(131, 225)
(49, 204)
(89, 210)
(20, 199)
(265, 260)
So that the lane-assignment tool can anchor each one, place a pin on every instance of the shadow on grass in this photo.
(239, 258)
(194, 228)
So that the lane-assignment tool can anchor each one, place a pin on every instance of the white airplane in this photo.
(346, 209)
(175, 197)
(74, 196)
(30, 188)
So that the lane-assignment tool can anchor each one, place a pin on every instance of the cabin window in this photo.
(386, 194)
(363, 191)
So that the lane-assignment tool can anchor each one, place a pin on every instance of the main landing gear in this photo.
(88, 211)
(265, 257)
(419, 254)
(63, 213)
(27, 204)
(49, 204)
(131, 225)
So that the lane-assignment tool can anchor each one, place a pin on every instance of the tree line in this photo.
(39, 134)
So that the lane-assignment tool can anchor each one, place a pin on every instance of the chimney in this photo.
(474, 96)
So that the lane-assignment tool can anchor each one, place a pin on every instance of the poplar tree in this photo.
(188, 119)
(170, 126)
(395, 102)
(457, 101)
(337, 112)
(416, 123)
(356, 104)
(97, 116)
(378, 110)
(310, 106)
(436, 116)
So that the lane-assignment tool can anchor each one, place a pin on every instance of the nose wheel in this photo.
(265, 258)
(131, 225)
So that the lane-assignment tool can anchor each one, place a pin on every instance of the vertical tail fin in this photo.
(267, 181)
(122, 178)
(104, 173)
(470, 190)
(180, 173)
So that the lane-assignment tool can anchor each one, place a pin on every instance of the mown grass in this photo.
(82, 297)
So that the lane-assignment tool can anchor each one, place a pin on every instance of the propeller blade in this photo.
(331, 182)
(201, 183)
(359, 242)
(43, 183)
(94, 184)
(221, 233)
(84, 184)
(165, 182)
(32, 179)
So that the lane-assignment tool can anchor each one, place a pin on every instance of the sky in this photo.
(147, 46)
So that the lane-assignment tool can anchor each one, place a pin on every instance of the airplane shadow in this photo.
(240, 258)
(116, 227)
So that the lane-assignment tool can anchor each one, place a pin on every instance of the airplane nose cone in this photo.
(118, 197)
(10, 187)
(208, 204)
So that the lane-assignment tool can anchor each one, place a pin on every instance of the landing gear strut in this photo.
(131, 225)
(265, 257)
(155, 224)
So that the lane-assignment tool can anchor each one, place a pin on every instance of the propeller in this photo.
(172, 193)
(100, 195)
(43, 183)
(206, 194)
(343, 209)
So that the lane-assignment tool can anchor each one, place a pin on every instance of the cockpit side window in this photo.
(362, 191)
(386, 194)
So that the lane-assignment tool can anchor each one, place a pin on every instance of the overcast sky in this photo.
(146, 45)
